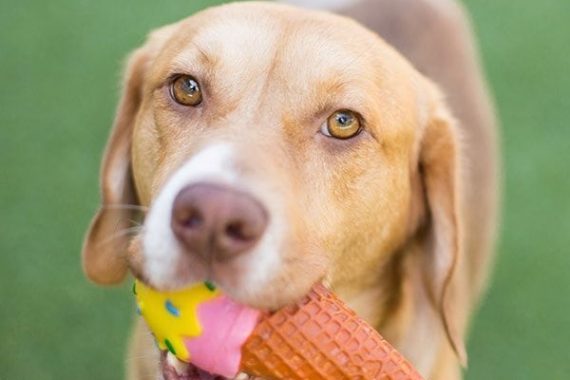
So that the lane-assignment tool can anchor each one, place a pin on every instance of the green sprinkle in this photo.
(135, 288)
(210, 285)
(169, 346)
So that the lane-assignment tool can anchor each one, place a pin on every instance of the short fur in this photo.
(399, 220)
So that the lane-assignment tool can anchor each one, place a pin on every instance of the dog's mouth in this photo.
(174, 369)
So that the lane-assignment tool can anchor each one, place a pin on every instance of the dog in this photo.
(270, 147)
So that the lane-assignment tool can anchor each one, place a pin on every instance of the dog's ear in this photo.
(106, 241)
(105, 245)
(441, 235)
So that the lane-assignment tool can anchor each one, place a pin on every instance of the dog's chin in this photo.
(173, 369)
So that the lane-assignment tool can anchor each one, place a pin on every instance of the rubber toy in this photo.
(317, 338)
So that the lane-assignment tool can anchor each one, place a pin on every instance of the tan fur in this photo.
(386, 218)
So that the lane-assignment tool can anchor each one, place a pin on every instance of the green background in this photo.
(59, 69)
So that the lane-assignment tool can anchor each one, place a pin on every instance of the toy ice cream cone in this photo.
(321, 338)
(318, 338)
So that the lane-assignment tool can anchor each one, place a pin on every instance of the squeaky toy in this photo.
(318, 338)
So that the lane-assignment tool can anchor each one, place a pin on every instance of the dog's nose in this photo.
(217, 222)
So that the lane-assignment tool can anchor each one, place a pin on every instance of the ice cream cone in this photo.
(320, 338)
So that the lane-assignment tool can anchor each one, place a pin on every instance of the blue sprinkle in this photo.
(139, 312)
(171, 308)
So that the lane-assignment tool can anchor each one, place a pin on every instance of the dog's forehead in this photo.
(273, 44)
(232, 41)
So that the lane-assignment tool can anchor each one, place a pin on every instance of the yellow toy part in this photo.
(172, 316)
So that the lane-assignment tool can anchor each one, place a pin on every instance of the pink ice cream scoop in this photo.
(198, 325)
(226, 326)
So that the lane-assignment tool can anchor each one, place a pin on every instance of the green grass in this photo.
(522, 330)
(59, 66)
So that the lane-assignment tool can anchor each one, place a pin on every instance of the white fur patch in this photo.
(163, 254)
(161, 249)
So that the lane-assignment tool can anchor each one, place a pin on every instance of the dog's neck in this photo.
(376, 298)
(397, 305)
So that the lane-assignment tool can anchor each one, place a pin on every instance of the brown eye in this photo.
(186, 91)
(342, 124)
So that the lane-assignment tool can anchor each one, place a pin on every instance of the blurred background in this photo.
(59, 70)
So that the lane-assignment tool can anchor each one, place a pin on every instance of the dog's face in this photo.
(270, 91)
(273, 148)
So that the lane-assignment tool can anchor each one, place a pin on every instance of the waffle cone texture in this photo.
(320, 338)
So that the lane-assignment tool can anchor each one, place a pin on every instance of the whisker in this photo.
(136, 223)
(119, 234)
(120, 206)
(137, 357)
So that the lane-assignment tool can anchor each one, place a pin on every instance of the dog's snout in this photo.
(217, 222)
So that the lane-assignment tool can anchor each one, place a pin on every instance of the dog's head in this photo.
(273, 148)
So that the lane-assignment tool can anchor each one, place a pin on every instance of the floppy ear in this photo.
(439, 166)
(106, 241)
(105, 245)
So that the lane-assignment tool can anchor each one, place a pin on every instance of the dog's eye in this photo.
(186, 90)
(342, 124)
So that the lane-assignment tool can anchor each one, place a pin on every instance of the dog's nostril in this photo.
(236, 230)
(190, 218)
(194, 220)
